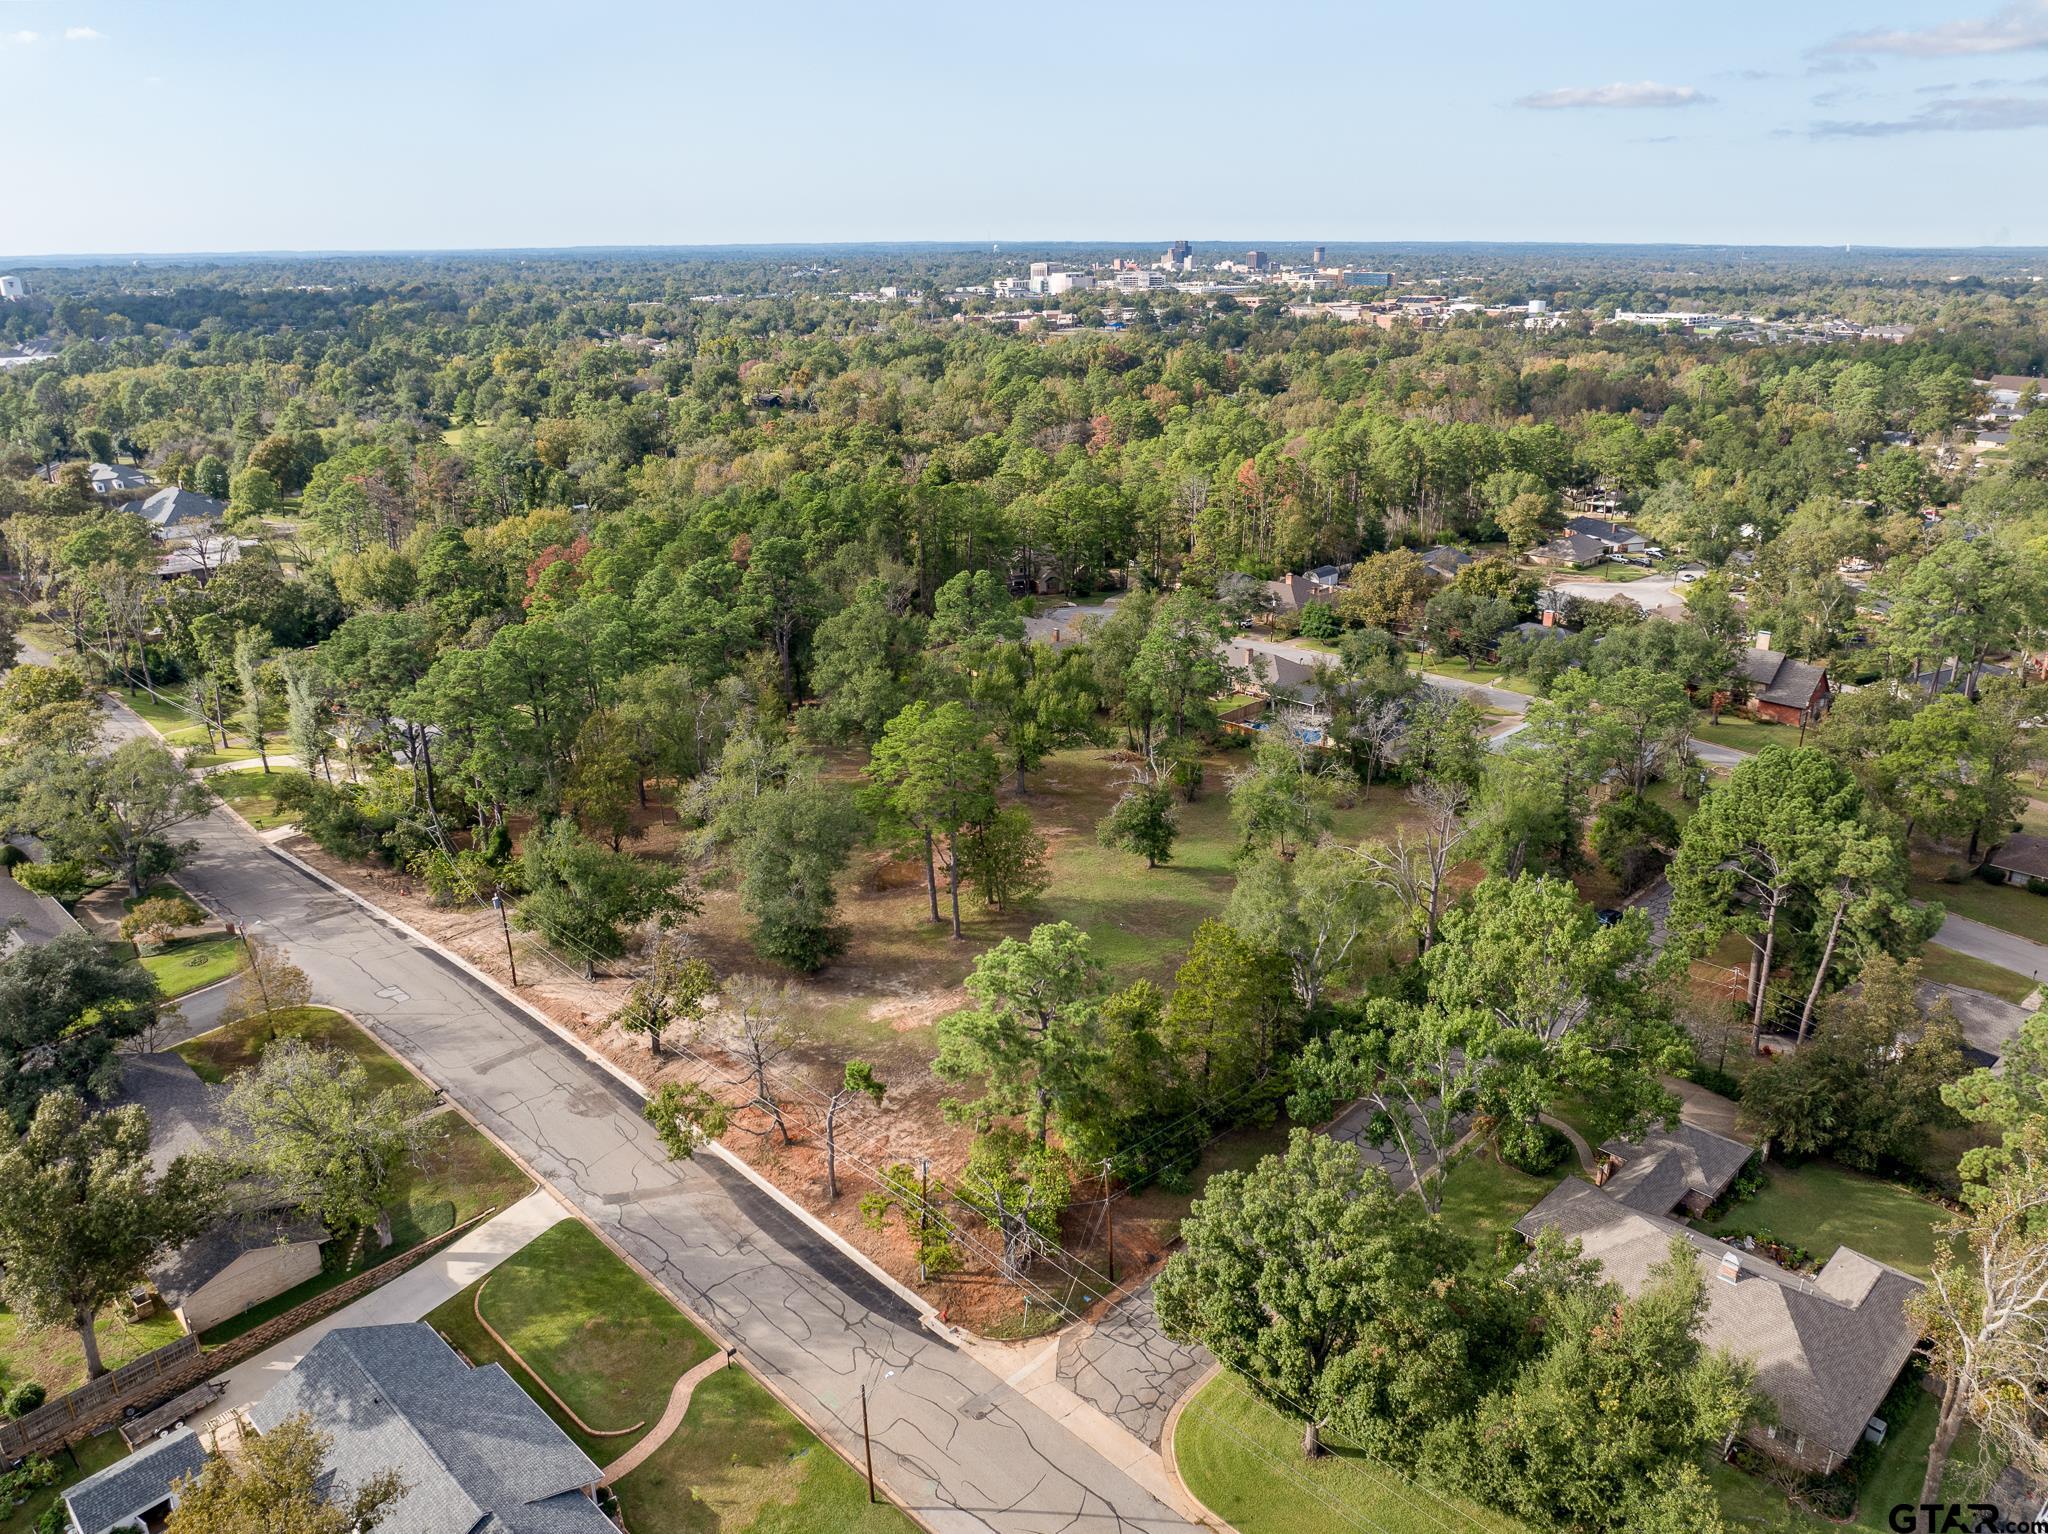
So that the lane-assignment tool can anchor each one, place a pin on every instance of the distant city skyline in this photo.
(218, 126)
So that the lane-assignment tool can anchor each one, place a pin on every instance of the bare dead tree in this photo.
(1413, 867)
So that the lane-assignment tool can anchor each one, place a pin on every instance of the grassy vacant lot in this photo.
(2007, 907)
(253, 794)
(1821, 1206)
(52, 1355)
(741, 1464)
(186, 964)
(1951, 968)
(88, 1458)
(1482, 1197)
(218, 1055)
(606, 1342)
(1243, 1460)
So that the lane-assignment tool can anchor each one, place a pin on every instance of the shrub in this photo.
(158, 919)
(24, 1398)
(1538, 1150)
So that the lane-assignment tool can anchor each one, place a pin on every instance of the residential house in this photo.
(1291, 593)
(1685, 1166)
(1826, 1348)
(177, 513)
(1780, 688)
(113, 479)
(475, 1450)
(1614, 538)
(238, 1264)
(1575, 550)
(2020, 859)
(1444, 562)
(262, 1248)
(2008, 390)
(199, 558)
(1328, 579)
(1289, 689)
(137, 1492)
(29, 920)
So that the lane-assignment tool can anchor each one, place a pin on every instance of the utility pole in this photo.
(867, 1444)
(1109, 1219)
(498, 903)
(924, 1204)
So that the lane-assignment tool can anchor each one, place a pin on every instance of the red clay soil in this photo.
(893, 1023)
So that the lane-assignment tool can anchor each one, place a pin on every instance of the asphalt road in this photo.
(951, 1440)
(2021, 955)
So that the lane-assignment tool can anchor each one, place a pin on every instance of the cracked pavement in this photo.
(802, 1314)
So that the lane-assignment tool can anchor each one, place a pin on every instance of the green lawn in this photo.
(52, 1354)
(1893, 1476)
(460, 1175)
(612, 1347)
(1952, 968)
(1821, 1206)
(188, 964)
(87, 1458)
(167, 715)
(741, 1464)
(2007, 907)
(1243, 1460)
(1465, 671)
(219, 756)
(218, 1055)
(1482, 1197)
(253, 795)
(1738, 732)
(608, 1343)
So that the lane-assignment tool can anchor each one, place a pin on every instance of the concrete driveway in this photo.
(1653, 593)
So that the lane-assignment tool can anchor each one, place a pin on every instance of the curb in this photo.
(922, 1306)
(1171, 1461)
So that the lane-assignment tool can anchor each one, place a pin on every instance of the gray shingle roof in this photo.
(480, 1456)
(1826, 1349)
(30, 920)
(2022, 854)
(204, 1258)
(116, 1494)
(173, 507)
(1577, 548)
(182, 1109)
(1776, 678)
(1684, 1160)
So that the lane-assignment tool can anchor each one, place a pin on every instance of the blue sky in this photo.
(179, 125)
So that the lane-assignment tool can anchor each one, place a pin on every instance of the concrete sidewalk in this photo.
(406, 1298)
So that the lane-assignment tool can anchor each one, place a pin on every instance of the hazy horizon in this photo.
(213, 128)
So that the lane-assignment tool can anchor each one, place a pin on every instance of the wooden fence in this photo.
(177, 1366)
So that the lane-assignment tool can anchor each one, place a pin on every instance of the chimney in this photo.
(1762, 640)
(1730, 1270)
(1550, 617)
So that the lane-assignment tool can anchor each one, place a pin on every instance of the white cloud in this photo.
(2021, 27)
(83, 35)
(23, 38)
(1968, 114)
(1645, 93)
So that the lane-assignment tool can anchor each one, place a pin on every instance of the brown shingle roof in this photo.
(2022, 854)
